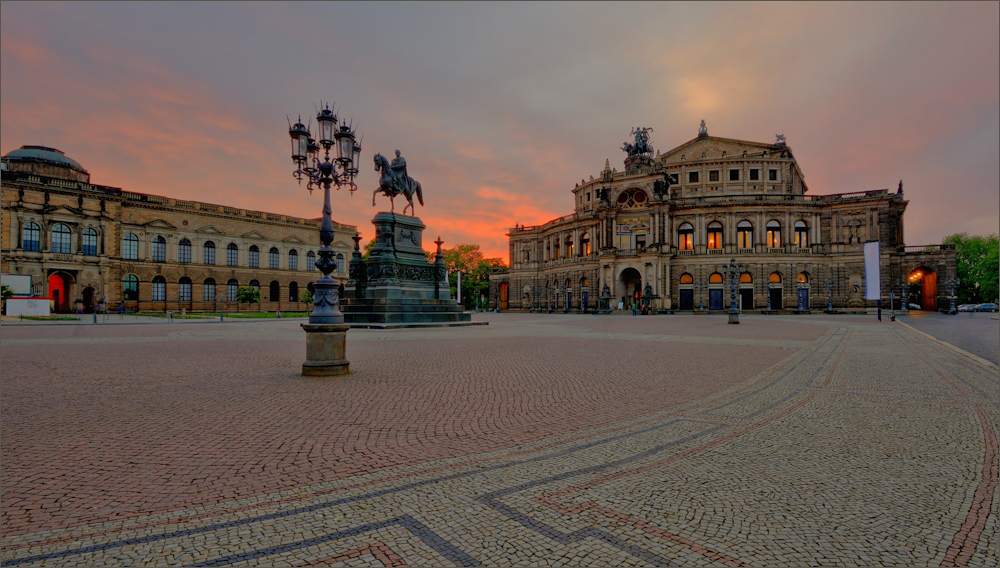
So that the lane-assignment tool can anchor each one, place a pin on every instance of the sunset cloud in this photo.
(500, 109)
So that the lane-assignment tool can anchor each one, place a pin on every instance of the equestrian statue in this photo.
(395, 181)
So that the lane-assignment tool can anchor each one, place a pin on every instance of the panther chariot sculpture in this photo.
(395, 181)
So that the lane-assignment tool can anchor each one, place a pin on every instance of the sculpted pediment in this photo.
(713, 148)
(253, 235)
(159, 224)
(292, 239)
(209, 230)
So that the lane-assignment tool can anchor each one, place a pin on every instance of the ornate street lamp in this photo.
(734, 271)
(952, 282)
(829, 295)
(326, 329)
(700, 284)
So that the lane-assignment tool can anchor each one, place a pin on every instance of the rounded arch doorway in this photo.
(60, 289)
(629, 287)
(923, 288)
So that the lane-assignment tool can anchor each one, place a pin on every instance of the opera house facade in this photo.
(664, 231)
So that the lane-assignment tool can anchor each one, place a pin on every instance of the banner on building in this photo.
(873, 277)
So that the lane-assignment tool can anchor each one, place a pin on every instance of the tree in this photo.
(306, 297)
(978, 259)
(475, 268)
(248, 295)
(7, 292)
(368, 249)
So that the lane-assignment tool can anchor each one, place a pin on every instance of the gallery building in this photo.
(663, 232)
(86, 244)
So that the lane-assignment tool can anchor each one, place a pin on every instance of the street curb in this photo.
(959, 350)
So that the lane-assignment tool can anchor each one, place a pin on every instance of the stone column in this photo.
(325, 350)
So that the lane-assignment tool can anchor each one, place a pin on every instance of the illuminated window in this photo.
(684, 236)
(746, 278)
(773, 234)
(801, 235)
(715, 278)
(585, 244)
(687, 278)
(569, 246)
(715, 235)
(803, 278)
(775, 278)
(744, 234)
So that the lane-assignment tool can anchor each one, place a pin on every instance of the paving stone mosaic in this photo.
(534, 441)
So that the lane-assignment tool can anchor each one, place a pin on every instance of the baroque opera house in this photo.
(664, 231)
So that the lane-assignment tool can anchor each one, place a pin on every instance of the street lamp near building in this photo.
(829, 295)
(326, 331)
(734, 270)
(952, 282)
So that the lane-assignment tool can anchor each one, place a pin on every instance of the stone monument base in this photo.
(325, 350)
(397, 285)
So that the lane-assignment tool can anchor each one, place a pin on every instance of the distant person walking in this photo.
(633, 309)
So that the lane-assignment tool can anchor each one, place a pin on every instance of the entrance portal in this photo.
(504, 295)
(746, 299)
(88, 299)
(630, 283)
(926, 294)
(60, 288)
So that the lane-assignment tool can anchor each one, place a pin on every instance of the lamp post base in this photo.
(734, 317)
(325, 350)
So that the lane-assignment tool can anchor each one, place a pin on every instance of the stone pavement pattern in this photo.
(538, 440)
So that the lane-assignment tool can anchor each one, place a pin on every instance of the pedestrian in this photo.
(633, 309)
(278, 314)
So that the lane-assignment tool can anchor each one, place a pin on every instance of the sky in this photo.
(501, 108)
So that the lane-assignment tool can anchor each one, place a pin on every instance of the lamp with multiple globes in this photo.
(338, 172)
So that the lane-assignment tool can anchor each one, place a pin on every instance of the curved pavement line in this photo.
(955, 348)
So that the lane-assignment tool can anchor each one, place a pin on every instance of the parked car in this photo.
(967, 307)
(989, 307)
(913, 306)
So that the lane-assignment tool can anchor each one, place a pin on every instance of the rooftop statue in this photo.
(395, 181)
(641, 145)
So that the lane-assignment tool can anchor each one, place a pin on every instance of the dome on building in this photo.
(45, 161)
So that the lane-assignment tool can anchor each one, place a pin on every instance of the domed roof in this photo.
(43, 154)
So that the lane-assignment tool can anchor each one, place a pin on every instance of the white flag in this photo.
(873, 277)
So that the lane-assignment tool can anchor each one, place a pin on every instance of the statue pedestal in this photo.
(397, 285)
(734, 317)
(325, 350)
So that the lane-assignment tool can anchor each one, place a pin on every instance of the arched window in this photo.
(272, 258)
(130, 247)
(341, 265)
(275, 291)
(293, 291)
(803, 278)
(311, 288)
(569, 246)
(130, 287)
(775, 278)
(159, 249)
(184, 290)
(254, 284)
(746, 278)
(801, 234)
(310, 260)
(184, 251)
(773, 234)
(715, 235)
(525, 255)
(209, 290)
(687, 278)
(744, 234)
(31, 237)
(159, 289)
(685, 235)
(61, 239)
(715, 278)
(231, 287)
(232, 255)
(293, 260)
(208, 253)
(90, 242)
(253, 261)
(585, 244)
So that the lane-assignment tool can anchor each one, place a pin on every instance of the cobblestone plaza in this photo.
(612, 440)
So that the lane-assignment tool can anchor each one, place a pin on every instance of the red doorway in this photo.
(927, 280)
(60, 286)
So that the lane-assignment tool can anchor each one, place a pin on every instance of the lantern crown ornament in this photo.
(324, 172)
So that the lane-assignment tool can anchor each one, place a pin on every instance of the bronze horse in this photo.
(388, 186)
